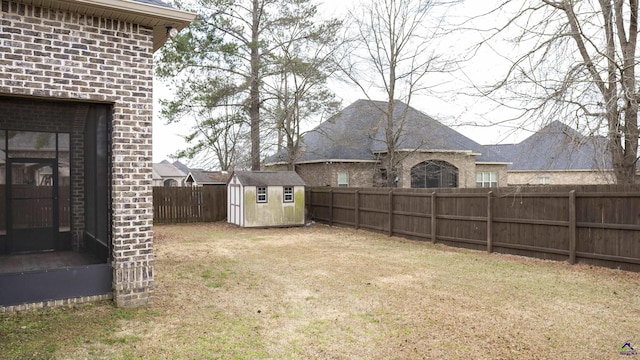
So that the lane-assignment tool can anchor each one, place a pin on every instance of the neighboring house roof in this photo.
(557, 147)
(268, 178)
(155, 14)
(202, 177)
(167, 170)
(180, 166)
(356, 134)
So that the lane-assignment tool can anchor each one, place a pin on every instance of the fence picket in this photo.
(186, 204)
(580, 224)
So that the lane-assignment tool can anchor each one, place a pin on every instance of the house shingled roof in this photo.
(269, 178)
(556, 147)
(167, 170)
(356, 134)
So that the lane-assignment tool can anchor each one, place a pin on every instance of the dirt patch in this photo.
(326, 292)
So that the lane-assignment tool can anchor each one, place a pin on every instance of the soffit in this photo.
(136, 12)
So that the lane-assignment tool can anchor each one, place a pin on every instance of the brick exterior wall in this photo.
(61, 55)
(501, 170)
(465, 162)
(574, 177)
(363, 174)
(326, 174)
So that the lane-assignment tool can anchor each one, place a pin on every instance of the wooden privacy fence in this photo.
(189, 204)
(598, 225)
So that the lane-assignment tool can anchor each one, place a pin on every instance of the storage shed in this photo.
(266, 199)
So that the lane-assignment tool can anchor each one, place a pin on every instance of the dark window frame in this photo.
(434, 174)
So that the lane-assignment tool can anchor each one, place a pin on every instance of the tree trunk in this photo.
(254, 88)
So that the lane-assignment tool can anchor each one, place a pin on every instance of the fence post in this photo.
(357, 208)
(572, 227)
(489, 221)
(330, 207)
(390, 212)
(433, 217)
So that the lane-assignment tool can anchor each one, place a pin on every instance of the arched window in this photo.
(171, 182)
(434, 174)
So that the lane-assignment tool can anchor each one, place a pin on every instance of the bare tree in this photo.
(303, 62)
(577, 62)
(393, 54)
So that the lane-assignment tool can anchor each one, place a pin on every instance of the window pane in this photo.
(32, 144)
(262, 194)
(343, 179)
(288, 194)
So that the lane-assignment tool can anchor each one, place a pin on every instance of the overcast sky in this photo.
(452, 109)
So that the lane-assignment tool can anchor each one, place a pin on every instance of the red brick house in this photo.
(76, 214)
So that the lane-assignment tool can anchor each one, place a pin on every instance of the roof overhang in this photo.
(559, 170)
(465, 152)
(493, 163)
(322, 161)
(159, 18)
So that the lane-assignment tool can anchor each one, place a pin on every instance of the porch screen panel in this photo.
(64, 182)
(3, 187)
(97, 194)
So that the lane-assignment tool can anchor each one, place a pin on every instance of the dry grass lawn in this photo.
(334, 293)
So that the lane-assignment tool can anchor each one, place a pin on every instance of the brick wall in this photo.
(465, 162)
(60, 55)
(572, 177)
(326, 174)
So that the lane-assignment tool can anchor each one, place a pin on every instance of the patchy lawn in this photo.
(322, 292)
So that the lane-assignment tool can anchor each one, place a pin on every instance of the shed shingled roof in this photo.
(269, 178)
(203, 177)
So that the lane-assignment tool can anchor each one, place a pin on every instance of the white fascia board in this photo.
(493, 163)
(323, 161)
(558, 171)
(137, 7)
(467, 152)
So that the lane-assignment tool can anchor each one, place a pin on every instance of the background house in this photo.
(266, 198)
(76, 87)
(169, 174)
(349, 150)
(558, 155)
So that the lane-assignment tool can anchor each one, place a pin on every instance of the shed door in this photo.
(235, 205)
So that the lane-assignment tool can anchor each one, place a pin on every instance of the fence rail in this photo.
(189, 204)
(598, 225)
